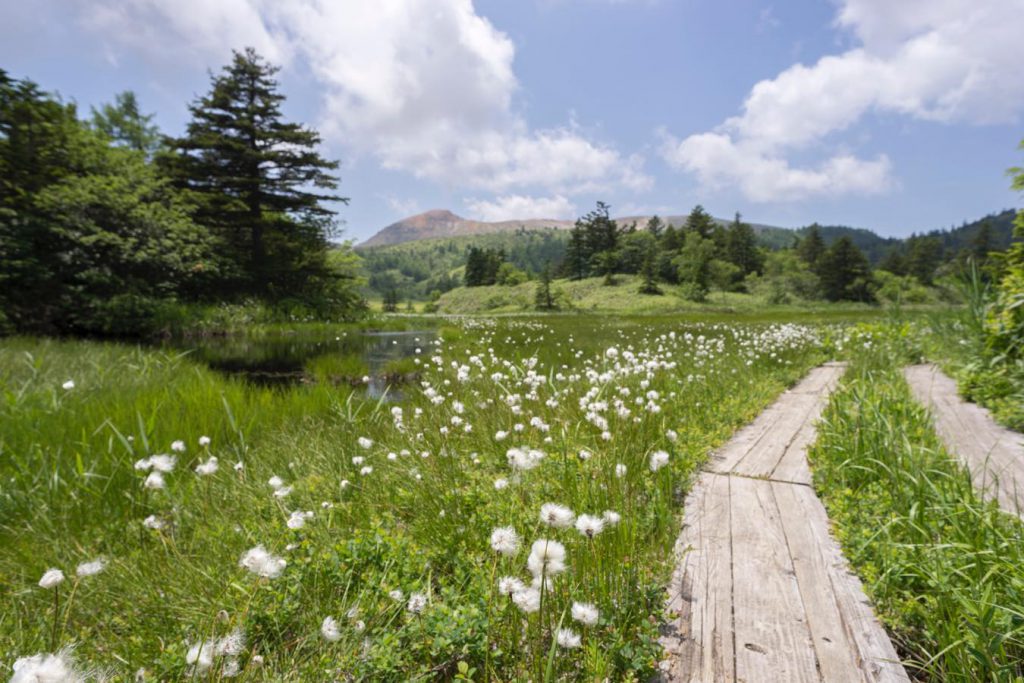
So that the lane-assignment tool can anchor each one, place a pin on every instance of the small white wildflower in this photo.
(358, 460)
(567, 638)
(178, 446)
(658, 460)
(297, 520)
(364, 443)
(366, 470)
(500, 435)
(611, 518)
(91, 568)
(51, 578)
(232, 644)
(239, 466)
(231, 668)
(499, 484)
(153, 522)
(200, 655)
(620, 470)
(396, 595)
(505, 541)
(344, 484)
(204, 441)
(154, 481)
(258, 561)
(69, 385)
(207, 468)
(672, 435)
(417, 603)
(585, 454)
(47, 668)
(282, 492)
(275, 482)
(527, 600)
(507, 585)
(585, 613)
(329, 630)
(556, 515)
(589, 526)
(163, 463)
(547, 558)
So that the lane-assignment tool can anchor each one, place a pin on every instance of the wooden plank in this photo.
(745, 439)
(793, 463)
(873, 651)
(700, 642)
(773, 642)
(762, 459)
(992, 454)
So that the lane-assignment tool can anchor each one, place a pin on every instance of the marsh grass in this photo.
(416, 523)
(943, 567)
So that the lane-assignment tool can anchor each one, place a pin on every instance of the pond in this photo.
(373, 361)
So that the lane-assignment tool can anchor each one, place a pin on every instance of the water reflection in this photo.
(374, 361)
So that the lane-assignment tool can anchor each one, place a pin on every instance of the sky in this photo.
(895, 115)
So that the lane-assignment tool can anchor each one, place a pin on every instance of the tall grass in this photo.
(419, 522)
(944, 568)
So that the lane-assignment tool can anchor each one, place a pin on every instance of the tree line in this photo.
(108, 226)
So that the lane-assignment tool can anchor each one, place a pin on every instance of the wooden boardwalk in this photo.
(762, 591)
(992, 454)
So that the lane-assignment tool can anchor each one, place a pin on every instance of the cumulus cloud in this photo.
(509, 207)
(938, 60)
(424, 86)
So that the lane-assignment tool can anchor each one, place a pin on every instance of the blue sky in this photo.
(897, 116)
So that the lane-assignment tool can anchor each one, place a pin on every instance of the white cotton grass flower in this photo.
(417, 603)
(153, 522)
(282, 492)
(396, 595)
(200, 655)
(527, 599)
(47, 668)
(207, 468)
(567, 638)
(611, 518)
(69, 385)
(505, 540)
(509, 585)
(155, 481)
(232, 644)
(204, 441)
(275, 482)
(329, 630)
(556, 515)
(500, 484)
(585, 613)
(163, 463)
(261, 563)
(589, 525)
(91, 568)
(297, 520)
(547, 558)
(51, 578)
(178, 446)
(620, 470)
(658, 460)
(364, 443)
(231, 668)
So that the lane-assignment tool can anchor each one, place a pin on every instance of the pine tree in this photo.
(649, 271)
(924, 254)
(700, 222)
(258, 180)
(124, 124)
(811, 247)
(577, 257)
(544, 299)
(655, 226)
(845, 273)
(741, 248)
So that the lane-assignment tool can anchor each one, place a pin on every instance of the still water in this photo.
(289, 359)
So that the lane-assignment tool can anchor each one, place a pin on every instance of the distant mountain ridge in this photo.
(438, 223)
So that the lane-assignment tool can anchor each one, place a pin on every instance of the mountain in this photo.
(444, 223)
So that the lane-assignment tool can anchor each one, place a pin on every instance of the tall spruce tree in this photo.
(701, 222)
(577, 258)
(845, 273)
(544, 298)
(258, 180)
(812, 247)
(124, 124)
(741, 248)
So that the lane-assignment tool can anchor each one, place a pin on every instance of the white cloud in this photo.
(950, 61)
(423, 86)
(508, 207)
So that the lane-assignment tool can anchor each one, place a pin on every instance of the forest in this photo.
(109, 227)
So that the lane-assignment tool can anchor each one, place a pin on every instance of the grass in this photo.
(419, 522)
(942, 567)
(590, 295)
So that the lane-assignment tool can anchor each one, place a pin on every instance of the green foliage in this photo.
(258, 183)
(693, 265)
(943, 568)
(124, 124)
(845, 274)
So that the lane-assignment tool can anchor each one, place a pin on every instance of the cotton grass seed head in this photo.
(329, 630)
(589, 526)
(556, 515)
(658, 460)
(91, 568)
(508, 585)
(585, 613)
(47, 668)
(51, 578)
(567, 638)
(505, 541)
(527, 600)
(547, 558)
(417, 603)
(261, 563)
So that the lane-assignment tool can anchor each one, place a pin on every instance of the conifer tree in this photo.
(741, 248)
(258, 180)
(845, 273)
(701, 222)
(544, 299)
(124, 124)
(649, 271)
(811, 247)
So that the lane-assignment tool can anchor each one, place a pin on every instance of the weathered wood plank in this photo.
(992, 454)
(701, 646)
(773, 642)
(762, 459)
(874, 653)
